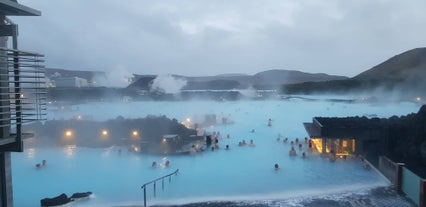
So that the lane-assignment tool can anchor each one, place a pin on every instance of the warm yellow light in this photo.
(317, 144)
(345, 143)
(135, 133)
(164, 140)
(68, 133)
(136, 149)
(104, 132)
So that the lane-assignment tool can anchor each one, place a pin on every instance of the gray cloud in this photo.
(216, 37)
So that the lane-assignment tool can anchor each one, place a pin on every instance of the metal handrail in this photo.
(154, 182)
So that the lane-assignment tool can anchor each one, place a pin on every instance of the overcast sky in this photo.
(200, 37)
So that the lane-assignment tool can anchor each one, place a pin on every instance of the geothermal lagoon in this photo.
(239, 174)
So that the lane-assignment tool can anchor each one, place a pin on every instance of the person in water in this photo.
(276, 167)
(154, 164)
(251, 143)
(244, 142)
(227, 147)
(193, 150)
(292, 152)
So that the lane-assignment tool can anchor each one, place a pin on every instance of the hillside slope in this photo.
(406, 66)
(402, 76)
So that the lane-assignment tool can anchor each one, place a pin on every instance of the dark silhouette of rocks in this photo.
(119, 131)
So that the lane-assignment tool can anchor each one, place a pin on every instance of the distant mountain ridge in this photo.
(403, 74)
(270, 79)
(292, 76)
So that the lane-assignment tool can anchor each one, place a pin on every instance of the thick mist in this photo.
(119, 77)
(167, 84)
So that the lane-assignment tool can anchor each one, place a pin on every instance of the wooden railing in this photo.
(154, 182)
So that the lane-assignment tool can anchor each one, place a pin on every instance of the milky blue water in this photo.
(242, 173)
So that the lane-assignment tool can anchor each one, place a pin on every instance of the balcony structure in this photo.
(21, 92)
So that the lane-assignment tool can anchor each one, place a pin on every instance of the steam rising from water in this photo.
(119, 77)
(167, 84)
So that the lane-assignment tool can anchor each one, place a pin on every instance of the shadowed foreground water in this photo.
(378, 197)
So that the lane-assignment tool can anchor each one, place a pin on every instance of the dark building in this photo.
(344, 136)
(21, 95)
(403, 139)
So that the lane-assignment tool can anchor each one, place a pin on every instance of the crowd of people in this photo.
(298, 147)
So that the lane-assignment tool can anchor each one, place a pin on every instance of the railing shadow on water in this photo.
(154, 182)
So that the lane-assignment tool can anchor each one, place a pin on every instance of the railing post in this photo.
(155, 193)
(144, 196)
(422, 201)
(162, 183)
(154, 182)
(399, 180)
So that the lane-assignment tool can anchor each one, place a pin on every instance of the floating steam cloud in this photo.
(167, 84)
(119, 77)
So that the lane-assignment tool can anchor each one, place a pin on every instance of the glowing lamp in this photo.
(68, 133)
(135, 133)
(104, 132)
